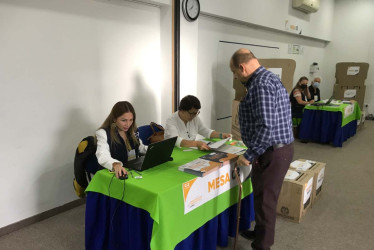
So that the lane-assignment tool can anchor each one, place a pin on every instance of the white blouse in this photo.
(175, 127)
(103, 151)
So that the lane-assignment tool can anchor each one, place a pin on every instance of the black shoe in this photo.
(249, 235)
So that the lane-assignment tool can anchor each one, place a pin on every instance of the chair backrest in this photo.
(84, 151)
(145, 132)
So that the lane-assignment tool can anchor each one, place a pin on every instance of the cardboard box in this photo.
(240, 90)
(318, 171)
(235, 129)
(285, 68)
(347, 93)
(295, 197)
(351, 73)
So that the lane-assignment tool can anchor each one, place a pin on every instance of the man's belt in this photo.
(280, 145)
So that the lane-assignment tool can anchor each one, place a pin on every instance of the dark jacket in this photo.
(119, 151)
(316, 93)
(296, 108)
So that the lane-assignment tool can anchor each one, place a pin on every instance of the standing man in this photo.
(314, 89)
(266, 129)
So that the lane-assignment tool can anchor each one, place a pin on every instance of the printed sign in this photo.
(308, 190)
(353, 70)
(200, 190)
(320, 178)
(349, 110)
(350, 93)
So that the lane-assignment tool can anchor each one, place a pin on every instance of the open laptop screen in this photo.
(157, 153)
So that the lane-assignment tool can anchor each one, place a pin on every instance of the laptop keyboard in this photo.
(136, 163)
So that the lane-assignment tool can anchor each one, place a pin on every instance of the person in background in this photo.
(186, 124)
(266, 130)
(299, 97)
(117, 139)
(314, 89)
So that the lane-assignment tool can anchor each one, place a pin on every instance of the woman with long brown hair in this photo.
(299, 98)
(117, 139)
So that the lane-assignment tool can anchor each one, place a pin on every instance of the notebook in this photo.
(323, 103)
(157, 153)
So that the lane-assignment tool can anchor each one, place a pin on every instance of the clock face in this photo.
(191, 9)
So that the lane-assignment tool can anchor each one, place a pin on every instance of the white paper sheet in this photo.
(217, 144)
(301, 165)
(291, 175)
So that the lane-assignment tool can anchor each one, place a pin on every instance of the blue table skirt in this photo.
(325, 127)
(112, 224)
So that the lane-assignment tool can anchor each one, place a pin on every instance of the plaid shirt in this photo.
(264, 114)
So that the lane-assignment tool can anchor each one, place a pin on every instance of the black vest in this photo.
(119, 151)
(296, 108)
(312, 94)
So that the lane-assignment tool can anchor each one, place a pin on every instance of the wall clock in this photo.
(191, 9)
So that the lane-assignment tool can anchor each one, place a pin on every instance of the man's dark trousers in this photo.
(268, 173)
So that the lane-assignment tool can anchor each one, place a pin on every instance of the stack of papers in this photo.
(217, 144)
(221, 157)
(235, 147)
(302, 165)
(200, 167)
(208, 163)
(292, 175)
(232, 149)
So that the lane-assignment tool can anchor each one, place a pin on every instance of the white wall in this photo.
(274, 14)
(253, 22)
(210, 66)
(63, 65)
(352, 41)
(248, 21)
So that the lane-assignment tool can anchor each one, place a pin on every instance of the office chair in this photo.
(145, 132)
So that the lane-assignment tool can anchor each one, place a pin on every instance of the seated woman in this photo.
(314, 89)
(186, 124)
(117, 139)
(299, 98)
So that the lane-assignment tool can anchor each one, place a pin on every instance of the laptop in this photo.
(157, 153)
(323, 103)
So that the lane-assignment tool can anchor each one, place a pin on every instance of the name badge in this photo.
(131, 155)
(315, 98)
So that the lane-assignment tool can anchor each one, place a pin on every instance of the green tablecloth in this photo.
(160, 193)
(356, 114)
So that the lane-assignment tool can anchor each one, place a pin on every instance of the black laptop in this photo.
(157, 153)
(323, 103)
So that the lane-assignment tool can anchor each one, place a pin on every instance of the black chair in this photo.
(85, 164)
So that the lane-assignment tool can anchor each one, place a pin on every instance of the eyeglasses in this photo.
(193, 113)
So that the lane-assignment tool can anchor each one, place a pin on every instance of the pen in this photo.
(138, 172)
